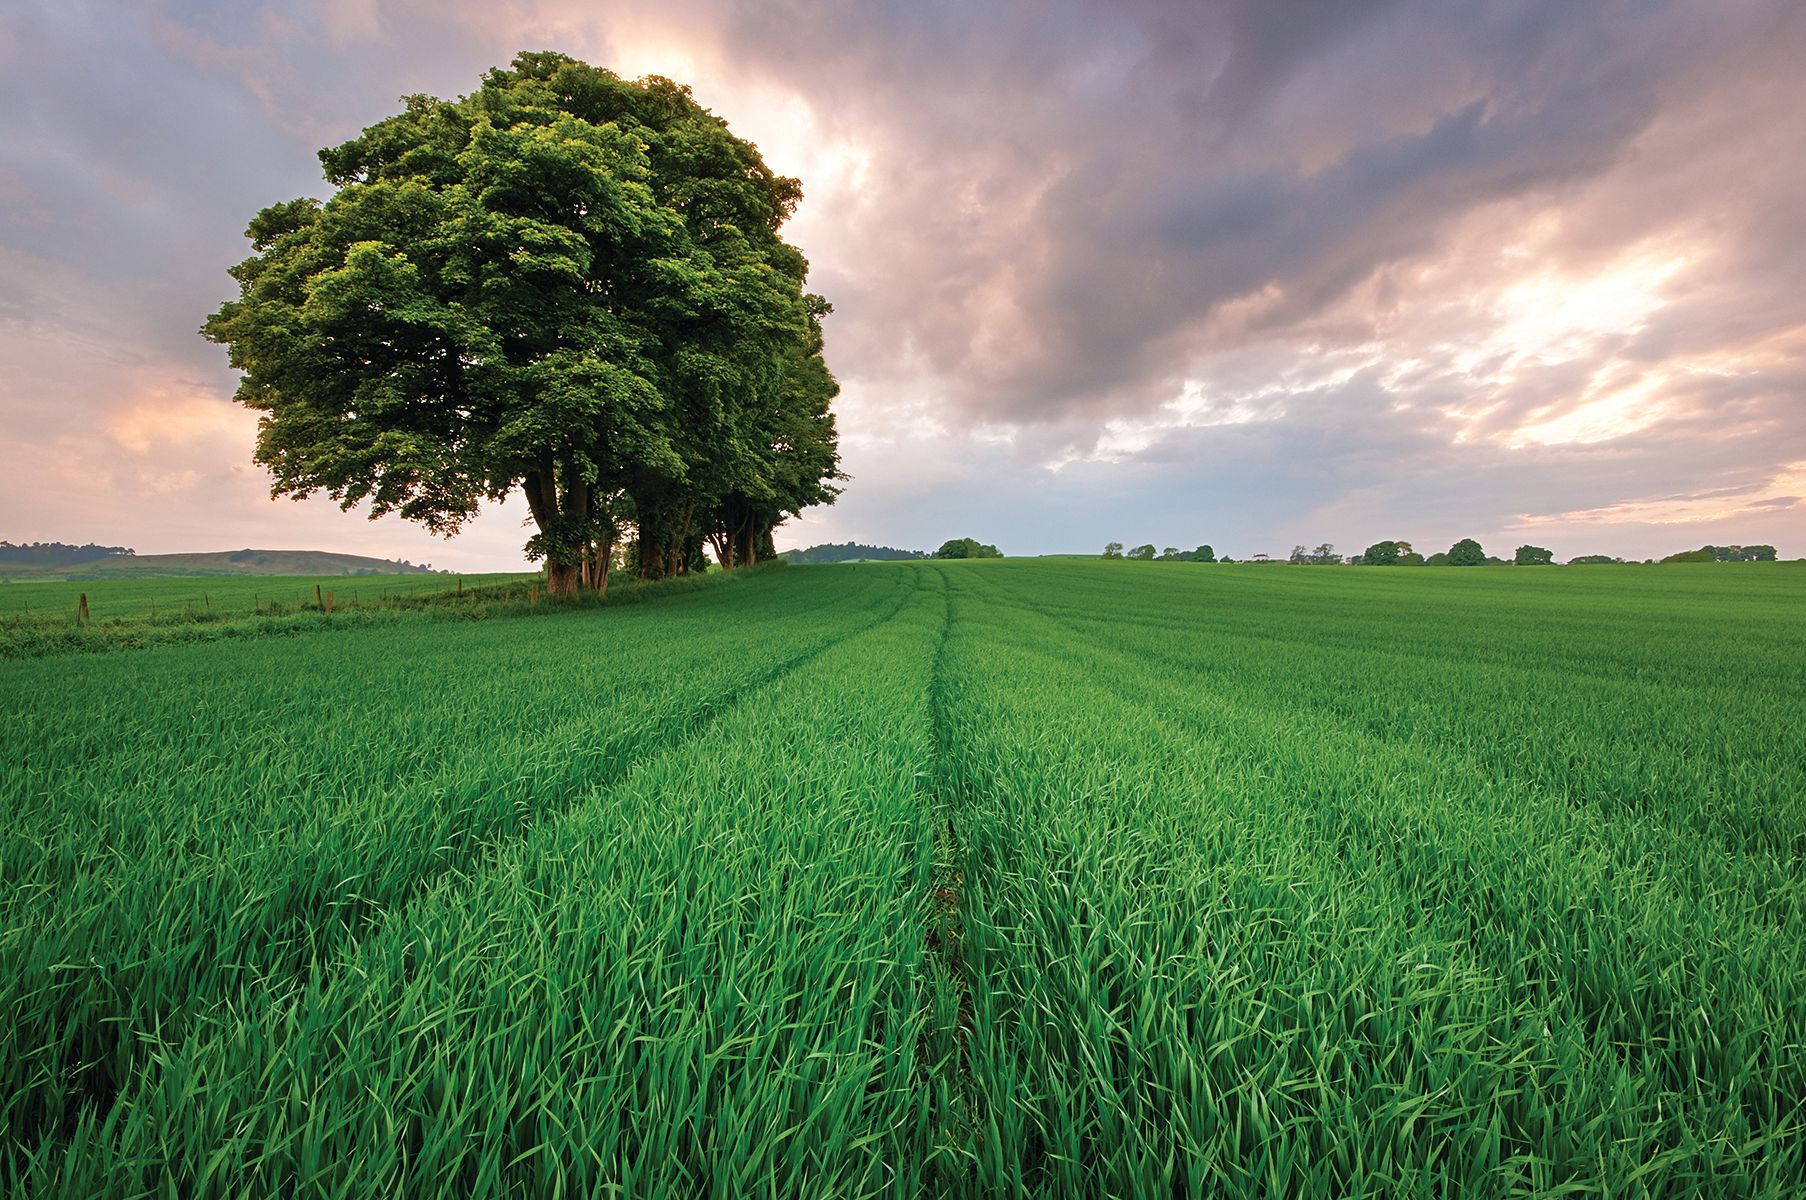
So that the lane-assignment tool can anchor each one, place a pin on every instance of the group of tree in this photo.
(967, 548)
(833, 552)
(58, 554)
(1390, 554)
(1465, 553)
(566, 284)
(1146, 553)
(1724, 554)
(1323, 556)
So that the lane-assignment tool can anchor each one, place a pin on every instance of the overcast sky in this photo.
(1251, 273)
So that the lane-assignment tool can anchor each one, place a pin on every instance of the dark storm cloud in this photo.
(1191, 155)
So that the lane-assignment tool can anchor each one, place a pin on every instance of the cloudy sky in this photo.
(1250, 272)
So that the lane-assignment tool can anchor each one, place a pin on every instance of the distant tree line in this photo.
(967, 548)
(1465, 553)
(1146, 553)
(833, 552)
(1323, 556)
(58, 554)
(1725, 554)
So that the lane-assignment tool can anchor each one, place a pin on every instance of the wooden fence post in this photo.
(81, 613)
(329, 604)
(318, 601)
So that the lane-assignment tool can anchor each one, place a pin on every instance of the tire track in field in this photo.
(690, 727)
(95, 1093)
(947, 1038)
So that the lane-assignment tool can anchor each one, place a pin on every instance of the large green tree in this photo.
(566, 283)
(787, 459)
(1466, 553)
(967, 548)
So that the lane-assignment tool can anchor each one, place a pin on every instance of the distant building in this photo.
(1260, 558)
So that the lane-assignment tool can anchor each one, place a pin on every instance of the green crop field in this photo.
(134, 600)
(45, 617)
(1015, 878)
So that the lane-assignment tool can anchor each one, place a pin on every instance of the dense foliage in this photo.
(1025, 878)
(58, 553)
(1323, 556)
(1385, 554)
(1202, 554)
(1466, 553)
(833, 552)
(1725, 554)
(564, 283)
(967, 548)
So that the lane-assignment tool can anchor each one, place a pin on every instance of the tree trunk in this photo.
(595, 566)
(561, 579)
(652, 534)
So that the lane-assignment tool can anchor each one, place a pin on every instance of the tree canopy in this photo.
(1146, 551)
(1533, 556)
(58, 553)
(835, 552)
(1323, 556)
(967, 548)
(1740, 553)
(564, 283)
(1466, 553)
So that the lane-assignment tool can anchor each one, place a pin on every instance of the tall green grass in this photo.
(56, 601)
(223, 823)
(1229, 937)
(701, 979)
(1022, 878)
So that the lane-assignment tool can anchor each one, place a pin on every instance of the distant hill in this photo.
(849, 552)
(223, 562)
